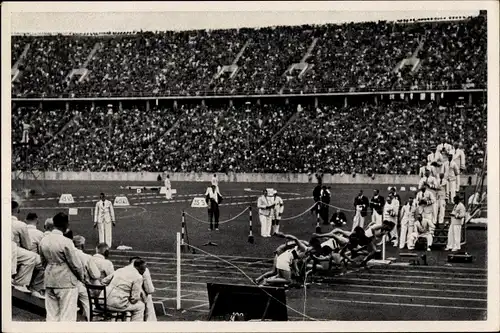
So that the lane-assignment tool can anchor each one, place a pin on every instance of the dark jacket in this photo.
(317, 193)
(377, 204)
(363, 201)
(338, 218)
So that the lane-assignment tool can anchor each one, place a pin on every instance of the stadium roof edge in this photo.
(125, 33)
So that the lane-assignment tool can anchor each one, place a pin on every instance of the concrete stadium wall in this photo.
(225, 178)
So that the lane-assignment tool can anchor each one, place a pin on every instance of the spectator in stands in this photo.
(148, 289)
(62, 273)
(92, 274)
(25, 259)
(124, 289)
(104, 265)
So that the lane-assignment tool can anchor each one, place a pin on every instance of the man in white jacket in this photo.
(103, 217)
(452, 172)
(457, 219)
(441, 197)
(265, 207)
(459, 159)
(168, 188)
(148, 289)
(407, 221)
(277, 212)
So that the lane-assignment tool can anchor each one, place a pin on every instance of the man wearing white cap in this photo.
(277, 211)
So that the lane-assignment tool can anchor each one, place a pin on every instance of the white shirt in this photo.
(104, 265)
(451, 170)
(408, 212)
(390, 213)
(430, 200)
(104, 212)
(213, 194)
(442, 189)
(431, 182)
(167, 183)
(35, 236)
(20, 234)
(458, 214)
(459, 158)
(262, 204)
(434, 157)
(215, 181)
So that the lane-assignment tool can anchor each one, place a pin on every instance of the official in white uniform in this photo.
(214, 181)
(425, 200)
(435, 161)
(442, 197)
(36, 285)
(103, 218)
(422, 230)
(168, 188)
(457, 220)
(361, 205)
(277, 211)
(407, 217)
(101, 260)
(92, 274)
(431, 183)
(124, 290)
(459, 159)
(63, 270)
(265, 218)
(390, 214)
(26, 260)
(396, 204)
(148, 289)
(452, 172)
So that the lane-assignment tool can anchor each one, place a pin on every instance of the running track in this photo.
(379, 293)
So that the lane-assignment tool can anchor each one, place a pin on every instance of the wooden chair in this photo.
(99, 306)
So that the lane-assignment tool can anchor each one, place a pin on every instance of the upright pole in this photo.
(318, 227)
(178, 250)
(250, 235)
(383, 247)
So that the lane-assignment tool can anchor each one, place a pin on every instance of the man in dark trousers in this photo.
(361, 205)
(325, 200)
(213, 199)
(317, 198)
(377, 204)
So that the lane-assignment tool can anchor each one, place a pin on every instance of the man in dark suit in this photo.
(338, 218)
(325, 201)
(213, 199)
(377, 204)
(361, 205)
(317, 198)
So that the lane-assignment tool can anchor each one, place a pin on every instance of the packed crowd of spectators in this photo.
(354, 56)
(388, 138)
(391, 137)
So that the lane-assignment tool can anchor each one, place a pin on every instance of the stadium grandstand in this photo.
(382, 75)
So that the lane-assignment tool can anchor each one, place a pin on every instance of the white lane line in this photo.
(173, 254)
(407, 304)
(419, 282)
(423, 277)
(409, 296)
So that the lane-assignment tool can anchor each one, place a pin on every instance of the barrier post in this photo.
(178, 247)
(318, 227)
(383, 247)
(250, 235)
(183, 245)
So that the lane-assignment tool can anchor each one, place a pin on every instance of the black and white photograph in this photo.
(284, 164)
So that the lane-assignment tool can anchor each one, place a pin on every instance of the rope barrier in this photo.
(340, 208)
(220, 222)
(297, 216)
(251, 280)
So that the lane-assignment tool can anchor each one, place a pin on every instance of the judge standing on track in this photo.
(265, 218)
(457, 219)
(213, 199)
(103, 217)
(277, 212)
(361, 204)
(168, 188)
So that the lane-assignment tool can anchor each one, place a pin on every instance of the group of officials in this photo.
(439, 183)
(53, 266)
